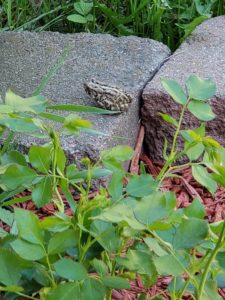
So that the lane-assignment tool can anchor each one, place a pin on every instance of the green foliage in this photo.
(167, 21)
(82, 15)
(123, 230)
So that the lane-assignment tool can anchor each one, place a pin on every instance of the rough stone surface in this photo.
(126, 62)
(203, 53)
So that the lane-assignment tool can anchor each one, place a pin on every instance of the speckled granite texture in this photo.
(203, 53)
(126, 62)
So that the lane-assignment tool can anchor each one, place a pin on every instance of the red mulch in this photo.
(186, 190)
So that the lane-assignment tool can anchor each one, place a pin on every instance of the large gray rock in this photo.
(203, 53)
(126, 62)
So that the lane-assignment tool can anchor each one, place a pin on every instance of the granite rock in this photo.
(126, 62)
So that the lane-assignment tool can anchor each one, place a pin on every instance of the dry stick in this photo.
(134, 166)
(192, 191)
(151, 167)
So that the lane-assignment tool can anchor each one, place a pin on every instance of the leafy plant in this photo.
(83, 15)
(123, 230)
(35, 246)
(171, 238)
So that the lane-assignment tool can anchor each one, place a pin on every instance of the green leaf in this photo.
(203, 9)
(90, 18)
(8, 195)
(28, 226)
(200, 89)
(211, 143)
(119, 153)
(114, 166)
(60, 160)
(82, 175)
(20, 124)
(16, 200)
(194, 150)
(174, 90)
(154, 246)
(52, 117)
(77, 19)
(92, 289)
(81, 108)
(34, 104)
(73, 123)
(115, 187)
(220, 257)
(3, 233)
(55, 224)
(220, 279)
(106, 235)
(168, 265)
(83, 8)
(17, 175)
(140, 261)
(42, 192)
(6, 216)
(40, 158)
(69, 269)
(210, 291)
(10, 267)
(201, 110)
(196, 209)
(120, 213)
(152, 208)
(194, 142)
(169, 119)
(188, 28)
(64, 184)
(201, 175)
(69, 237)
(115, 282)
(11, 288)
(13, 157)
(28, 251)
(6, 109)
(100, 266)
(190, 233)
(65, 291)
(141, 185)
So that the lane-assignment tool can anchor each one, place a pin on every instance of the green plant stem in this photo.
(172, 156)
(51, 73)
(52, 279)
(88, 244)
(172, 153)
(196, 269)
(209, 262)
(26, 296)
(59, 203)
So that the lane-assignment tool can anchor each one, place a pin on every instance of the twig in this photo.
(192, 191)
(134, 166)
(151, 167)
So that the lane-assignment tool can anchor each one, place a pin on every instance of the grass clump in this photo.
(166, 21)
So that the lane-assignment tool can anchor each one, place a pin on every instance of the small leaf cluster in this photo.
(82, 15)
(203, 152)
